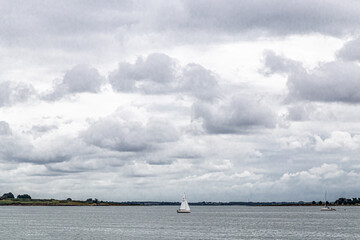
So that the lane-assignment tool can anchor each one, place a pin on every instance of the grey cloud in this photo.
(350, 51)
(11, 93)
(331, 82)
(17, 149)
(20, 148)
(129, 136)
(201, 82)
(276, 17)
(79, 25)
(160, 74)
(43, 128)
(298, 113)
(258, 18)
(49, 24)
(275, 63)
(40, 130)
(4, 128)
(239, 115)
(81, 78)
(335, 81)
(155, 74)
(306, 111)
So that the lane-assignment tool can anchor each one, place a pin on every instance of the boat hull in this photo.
(183, 211)
(328, 209)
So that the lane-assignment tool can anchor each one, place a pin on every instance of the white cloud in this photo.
(338, 141)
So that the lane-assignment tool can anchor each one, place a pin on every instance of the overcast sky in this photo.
(144, 100)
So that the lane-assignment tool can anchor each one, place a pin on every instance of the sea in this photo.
(162, 222)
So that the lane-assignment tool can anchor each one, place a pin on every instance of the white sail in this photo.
(184, 207)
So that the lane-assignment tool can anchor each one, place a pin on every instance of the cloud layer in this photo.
(226, 101)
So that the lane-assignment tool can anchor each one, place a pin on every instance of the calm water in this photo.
(223, 222)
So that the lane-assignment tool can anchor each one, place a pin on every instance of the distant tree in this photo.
(8, 195)
(313, 203)
(327, 203)
(69, 199)
(89, 200)
(320, 202)
(23, 196)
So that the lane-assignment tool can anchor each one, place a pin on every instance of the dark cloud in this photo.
(81, 78)
(129, 136)
(239, 115)
(11, 93)
(160, 74)
(79, 25)
(256, 17)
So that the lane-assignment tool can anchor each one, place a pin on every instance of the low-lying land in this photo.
(54, 202)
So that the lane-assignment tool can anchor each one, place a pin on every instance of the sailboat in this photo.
(326, 207)
(184, 207)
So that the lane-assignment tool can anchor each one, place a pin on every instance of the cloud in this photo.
(350, 51)
(298, 113)
(20, 148)
(4, 128)
(200, 82)
(81, 78)
(43, 128)
(338, 141)
(335, 81)
(49, 24)
(39, 130)
(155, 74)
(12, 93)
(274, 63)
(331, 82)
(318, 176)
(93, 25)
(240, 114)
(274, 17)
(160, 74)
(123, 135)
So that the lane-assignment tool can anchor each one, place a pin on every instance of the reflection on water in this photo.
(162, 222)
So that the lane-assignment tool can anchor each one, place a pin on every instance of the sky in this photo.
(138, 100)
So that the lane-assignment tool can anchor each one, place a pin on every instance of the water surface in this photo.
(162, 222)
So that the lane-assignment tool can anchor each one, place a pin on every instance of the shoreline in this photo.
(54, 202)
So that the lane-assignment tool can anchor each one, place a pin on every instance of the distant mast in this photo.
(326, 207)
(184, 207)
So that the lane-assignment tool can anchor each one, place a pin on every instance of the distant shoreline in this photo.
(54, 202)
